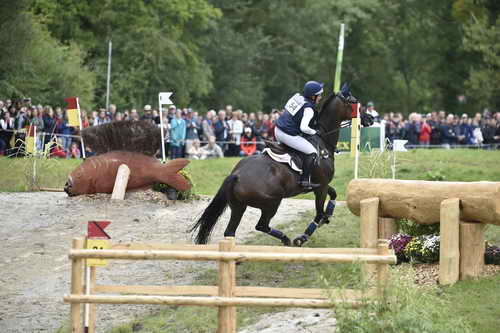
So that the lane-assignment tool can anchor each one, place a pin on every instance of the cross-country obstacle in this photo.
(226, 295)
(462, 209)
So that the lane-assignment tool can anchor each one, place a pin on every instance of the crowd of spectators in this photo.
(226, 132)
(439, 129)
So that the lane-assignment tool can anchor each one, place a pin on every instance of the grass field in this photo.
(475, 303)
(434, 164)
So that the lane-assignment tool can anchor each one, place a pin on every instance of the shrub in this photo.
(415, 229)
(398, 243)
(435, 176)
(181, 195)
(406, 308)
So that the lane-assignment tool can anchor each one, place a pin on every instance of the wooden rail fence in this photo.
(226, 295)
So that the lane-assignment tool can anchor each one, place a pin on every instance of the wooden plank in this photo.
(382, 269)
(92, 307)
(449, 250)
(210, 301)
(472, 249)
(368, 232)
(240, 248)
(300, 250)
(387, 227)
(158, 290)
(162, 246)
(314, 293)
(237, 256)
(227, 281)
(76, 286)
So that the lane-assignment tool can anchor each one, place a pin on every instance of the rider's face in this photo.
(318, 98)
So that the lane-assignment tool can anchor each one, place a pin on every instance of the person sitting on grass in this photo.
(211, 150)
(195, 152)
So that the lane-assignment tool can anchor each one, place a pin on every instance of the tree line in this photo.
(405, 55)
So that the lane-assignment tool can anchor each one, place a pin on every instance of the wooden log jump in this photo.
(226, 295)
(461, 208)
(420, 201)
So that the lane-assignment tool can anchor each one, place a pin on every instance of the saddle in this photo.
(285, 154)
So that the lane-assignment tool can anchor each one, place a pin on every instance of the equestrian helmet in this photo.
(313, 88)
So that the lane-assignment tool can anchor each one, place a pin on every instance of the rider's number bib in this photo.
(295, 103)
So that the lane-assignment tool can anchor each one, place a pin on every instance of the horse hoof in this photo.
(299, 241)
(286, 241)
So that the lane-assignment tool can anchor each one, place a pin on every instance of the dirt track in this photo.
(36, 232)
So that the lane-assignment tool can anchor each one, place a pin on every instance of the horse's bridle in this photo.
(349, 100)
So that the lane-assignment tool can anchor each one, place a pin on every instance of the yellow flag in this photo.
(97, 244)
(30, 144)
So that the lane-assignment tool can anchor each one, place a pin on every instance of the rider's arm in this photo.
(304, 124)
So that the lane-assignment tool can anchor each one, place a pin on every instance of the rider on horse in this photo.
(300, 114)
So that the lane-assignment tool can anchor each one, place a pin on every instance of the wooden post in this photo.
(121, 182)
(92, 308)
(387, 227)
(472, 249)
(382, 269)
(449, 250)
(369, 232)
(76, 286)
(227, 283)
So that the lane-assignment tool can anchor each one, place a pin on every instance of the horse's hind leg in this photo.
(237, 211)
(263, 224)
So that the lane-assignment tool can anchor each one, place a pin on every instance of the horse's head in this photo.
(351, 105)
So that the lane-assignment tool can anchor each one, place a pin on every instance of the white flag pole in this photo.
(357, 142)
(80, 120)
(161, 129)
(163, 98)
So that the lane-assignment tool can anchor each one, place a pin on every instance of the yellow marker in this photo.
(97, 244)
(30, 144)
(73, 117)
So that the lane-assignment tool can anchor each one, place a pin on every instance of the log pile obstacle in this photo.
(226, 295)
(461, 208)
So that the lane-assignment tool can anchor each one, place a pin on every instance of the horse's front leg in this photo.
(320, 197)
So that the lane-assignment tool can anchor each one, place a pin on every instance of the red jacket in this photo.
(248, 145)
(425, 133)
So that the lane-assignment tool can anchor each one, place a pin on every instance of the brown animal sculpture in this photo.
(97, 174)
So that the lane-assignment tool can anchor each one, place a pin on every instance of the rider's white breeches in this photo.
(295, 141)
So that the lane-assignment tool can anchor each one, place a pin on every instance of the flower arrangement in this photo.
(423, 249)
(492, 255)
(398, 243)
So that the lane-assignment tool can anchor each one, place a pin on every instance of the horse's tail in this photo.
(212, 213)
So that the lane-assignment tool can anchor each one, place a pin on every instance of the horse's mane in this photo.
(327, 102)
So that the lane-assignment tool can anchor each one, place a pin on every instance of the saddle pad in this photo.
(282, 158)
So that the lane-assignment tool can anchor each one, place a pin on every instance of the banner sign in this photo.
(371, 138)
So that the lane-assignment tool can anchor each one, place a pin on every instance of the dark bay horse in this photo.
(260, 182)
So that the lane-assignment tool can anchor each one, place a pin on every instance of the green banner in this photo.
(370, 139)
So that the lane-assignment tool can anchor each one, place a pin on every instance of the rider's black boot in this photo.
(305, 178)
